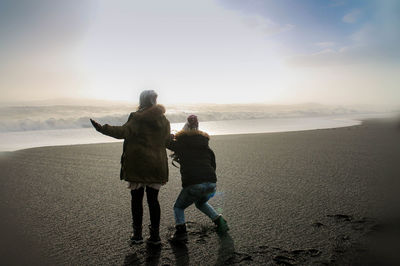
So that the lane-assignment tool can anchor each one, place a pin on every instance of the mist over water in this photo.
(30, 118)
(10, 141)
(35, 126)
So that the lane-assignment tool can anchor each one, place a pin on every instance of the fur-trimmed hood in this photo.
(151, 113)
(193, 138)
(191, 132)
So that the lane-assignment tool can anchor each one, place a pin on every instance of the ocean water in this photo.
(11, 141)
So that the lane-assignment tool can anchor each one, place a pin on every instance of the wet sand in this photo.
(321, 197)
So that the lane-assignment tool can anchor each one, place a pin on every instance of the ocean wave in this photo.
(70, 117)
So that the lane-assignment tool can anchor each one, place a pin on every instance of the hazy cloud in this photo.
(325, 44)
(330, 57)
(42, 24)
(357, 54)
(375, 42)
(352, 16)
(37, 42)
(266, 25)
(335, 3)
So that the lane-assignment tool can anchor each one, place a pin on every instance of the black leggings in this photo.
(137, 207)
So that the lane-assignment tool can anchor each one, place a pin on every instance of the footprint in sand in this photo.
(318, 225)
(341, 217)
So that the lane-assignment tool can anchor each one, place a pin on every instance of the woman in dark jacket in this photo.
(197, 167)
(144, 162)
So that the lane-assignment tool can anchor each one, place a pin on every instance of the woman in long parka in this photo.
(144, 162)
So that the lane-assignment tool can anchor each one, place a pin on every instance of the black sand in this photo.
(320, 197)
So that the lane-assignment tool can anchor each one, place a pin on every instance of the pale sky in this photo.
(214, 51)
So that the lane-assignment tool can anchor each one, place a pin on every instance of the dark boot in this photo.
(180, 235)
(136, 237)
(222, 226)
(154, 238)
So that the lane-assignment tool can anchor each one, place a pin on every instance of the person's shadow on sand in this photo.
(226, 253)
(153, 255)
(181, 254)
(226, 249)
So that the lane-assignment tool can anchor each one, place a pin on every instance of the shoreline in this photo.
(13, 141)
(356, 122)
(218, 136)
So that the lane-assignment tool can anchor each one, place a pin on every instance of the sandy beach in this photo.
(317, 197)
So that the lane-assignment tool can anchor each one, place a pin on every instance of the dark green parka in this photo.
(144, 158)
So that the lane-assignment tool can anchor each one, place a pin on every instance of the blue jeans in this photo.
(198, 194)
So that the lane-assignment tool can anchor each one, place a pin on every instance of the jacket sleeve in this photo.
(168, 137)
(172, 144)
(118, 132)
(213, 163)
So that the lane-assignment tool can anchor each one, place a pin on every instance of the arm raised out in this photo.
(118, 132)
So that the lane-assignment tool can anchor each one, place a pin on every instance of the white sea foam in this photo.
(10, 141)
(34, 126)
(29, 118)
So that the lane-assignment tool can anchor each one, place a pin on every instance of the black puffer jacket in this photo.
(196, 159)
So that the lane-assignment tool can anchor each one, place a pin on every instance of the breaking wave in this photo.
(69, 117)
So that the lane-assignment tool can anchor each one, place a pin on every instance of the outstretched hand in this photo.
(96, 125)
